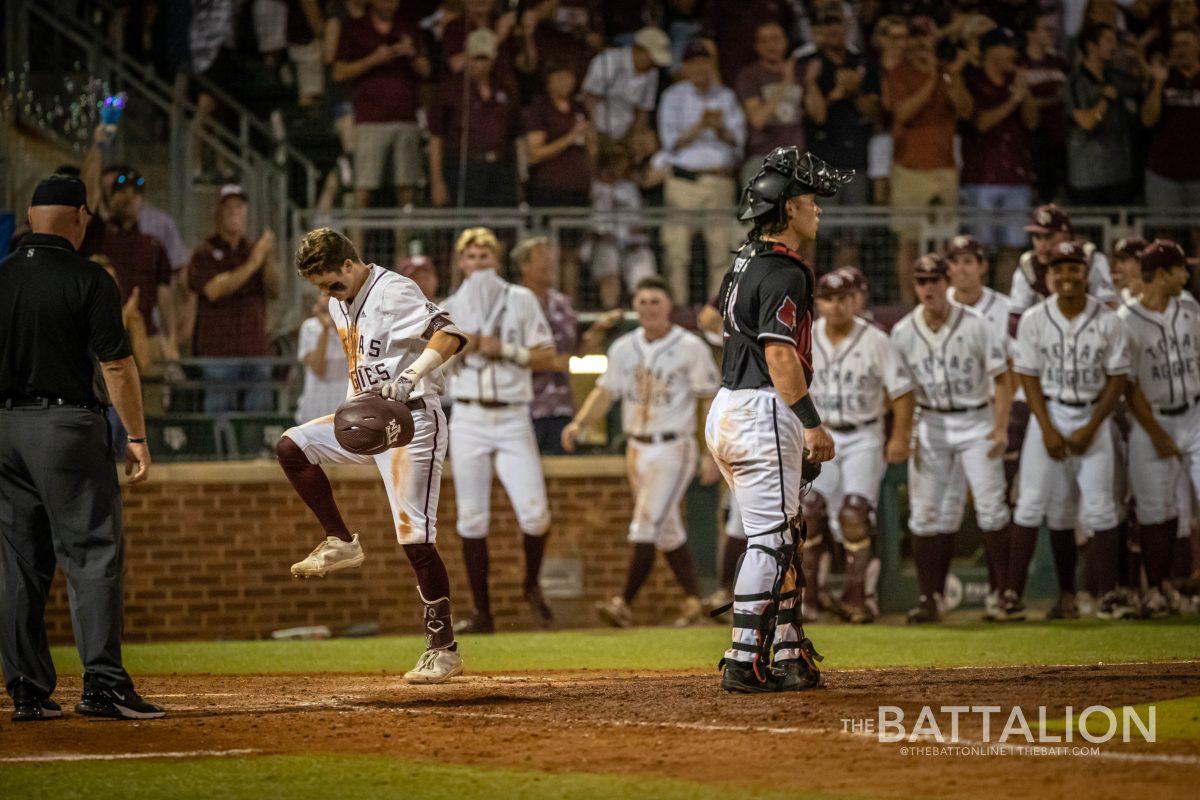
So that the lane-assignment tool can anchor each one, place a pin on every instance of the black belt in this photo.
(1076, 403)
(487, 403)
(954, 410)
(416, 404)
(1175, 411)
(851, 427)
(654, 438)
(697, 174)
(46, 402)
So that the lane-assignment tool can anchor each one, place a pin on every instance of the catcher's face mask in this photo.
(785, 173)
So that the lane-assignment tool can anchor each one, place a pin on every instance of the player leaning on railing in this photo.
(763, 426)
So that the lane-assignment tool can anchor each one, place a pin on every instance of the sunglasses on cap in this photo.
(129, 180)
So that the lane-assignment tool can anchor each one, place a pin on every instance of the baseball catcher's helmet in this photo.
(785, 173)
(370, 424)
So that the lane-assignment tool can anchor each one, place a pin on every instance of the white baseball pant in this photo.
(1050, 490)
(733, 523)
(948, 444)
(483, 438)
(758, 444)
(1156, 481)
(857, 468)
(659, 474)
(412, 475)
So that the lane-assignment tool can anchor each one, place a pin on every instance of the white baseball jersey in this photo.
(658, 382)
(1026, 291)
(488, 305)
(1071, 358)
(950, 369)
(1164, 351)
(849, 379)
(384, 329)
(993, 307)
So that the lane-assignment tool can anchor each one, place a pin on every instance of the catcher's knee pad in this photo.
(855, 518)
(816, 518)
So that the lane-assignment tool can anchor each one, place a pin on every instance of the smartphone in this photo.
(111, 109)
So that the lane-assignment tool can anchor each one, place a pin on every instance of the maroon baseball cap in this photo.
(1130, 247)
(1065, 252)
(963, 245)
(414, 264)
(856, 275)
(1049, 218)
(931, 265)
(834, 283)
(1162, 254)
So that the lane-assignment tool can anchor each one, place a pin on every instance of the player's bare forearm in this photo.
(1036, 401)
(1142, 412)
(447, 344)
(543, 358)
(786, 371)
(595, 406)
(903, 408)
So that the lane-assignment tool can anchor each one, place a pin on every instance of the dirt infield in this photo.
(675, 725)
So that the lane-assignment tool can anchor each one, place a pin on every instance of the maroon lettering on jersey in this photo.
(786, 314)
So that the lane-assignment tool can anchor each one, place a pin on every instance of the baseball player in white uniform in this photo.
(853, 362)
(395, 340)
(657, 371)
(968, 264)
(1072, 354)
(1164, 394)
(1049, 227)
(955, 373)
(492, 385)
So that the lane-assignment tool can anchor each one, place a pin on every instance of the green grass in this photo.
(358, 777)
(845, 647)
(1174, 719)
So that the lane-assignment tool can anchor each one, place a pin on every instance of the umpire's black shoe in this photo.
(30, 705)
(122, 703)
(739, 677)
(925, 611)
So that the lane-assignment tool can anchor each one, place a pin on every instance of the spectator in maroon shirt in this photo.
(770, 91)
(561, 143)
(381, 59)
(1046, 74)
(233, 279)
(1171, 111)
(997, 171)
(732, 23)
(477, 15)
(139, 259)
(569, 31)
(487, 122)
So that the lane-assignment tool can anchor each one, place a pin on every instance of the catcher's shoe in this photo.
(615, 611)
(478, 622)
(796, 675)
(542, 615)
(739, 677)
(1114, 606)
(435, 666)
(1155, 605)
(691, 613)
(330, 556)
(925, 611)
(1065, 608)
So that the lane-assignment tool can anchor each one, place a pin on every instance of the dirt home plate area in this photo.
(651, 725)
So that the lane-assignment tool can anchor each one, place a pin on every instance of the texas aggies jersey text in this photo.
(1165, 351)
(766, 296)
(952, 368)
(384, 329)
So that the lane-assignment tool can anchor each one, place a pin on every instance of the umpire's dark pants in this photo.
(60, 502)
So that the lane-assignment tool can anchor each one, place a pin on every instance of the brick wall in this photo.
(209, 547)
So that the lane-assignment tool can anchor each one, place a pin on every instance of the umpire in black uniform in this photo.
(60, 501)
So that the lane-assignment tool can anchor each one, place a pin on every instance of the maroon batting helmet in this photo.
(370, 424)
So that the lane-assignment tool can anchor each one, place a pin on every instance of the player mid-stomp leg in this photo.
(763, 426)
(394, 339)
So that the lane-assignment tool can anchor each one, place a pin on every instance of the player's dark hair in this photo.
(1091, 34)
(653, 282)
(323, 250)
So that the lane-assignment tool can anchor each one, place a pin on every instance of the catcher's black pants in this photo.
(60, 503)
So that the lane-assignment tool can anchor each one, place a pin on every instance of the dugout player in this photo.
(657, 371)
(492, 387)
(1127, 268)
(1049, 227)
(395, 340)
(763, 424)
(1164, 396)
(853, 363)
(955, 382)
(60, 502)
(1072, 354)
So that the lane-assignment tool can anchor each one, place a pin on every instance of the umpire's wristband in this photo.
(807, 412)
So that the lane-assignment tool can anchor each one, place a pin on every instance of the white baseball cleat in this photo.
(435, 666)
(691, 613)
(330, 556)
(615, 612)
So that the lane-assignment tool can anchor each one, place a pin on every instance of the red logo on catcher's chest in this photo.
(787, 313)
